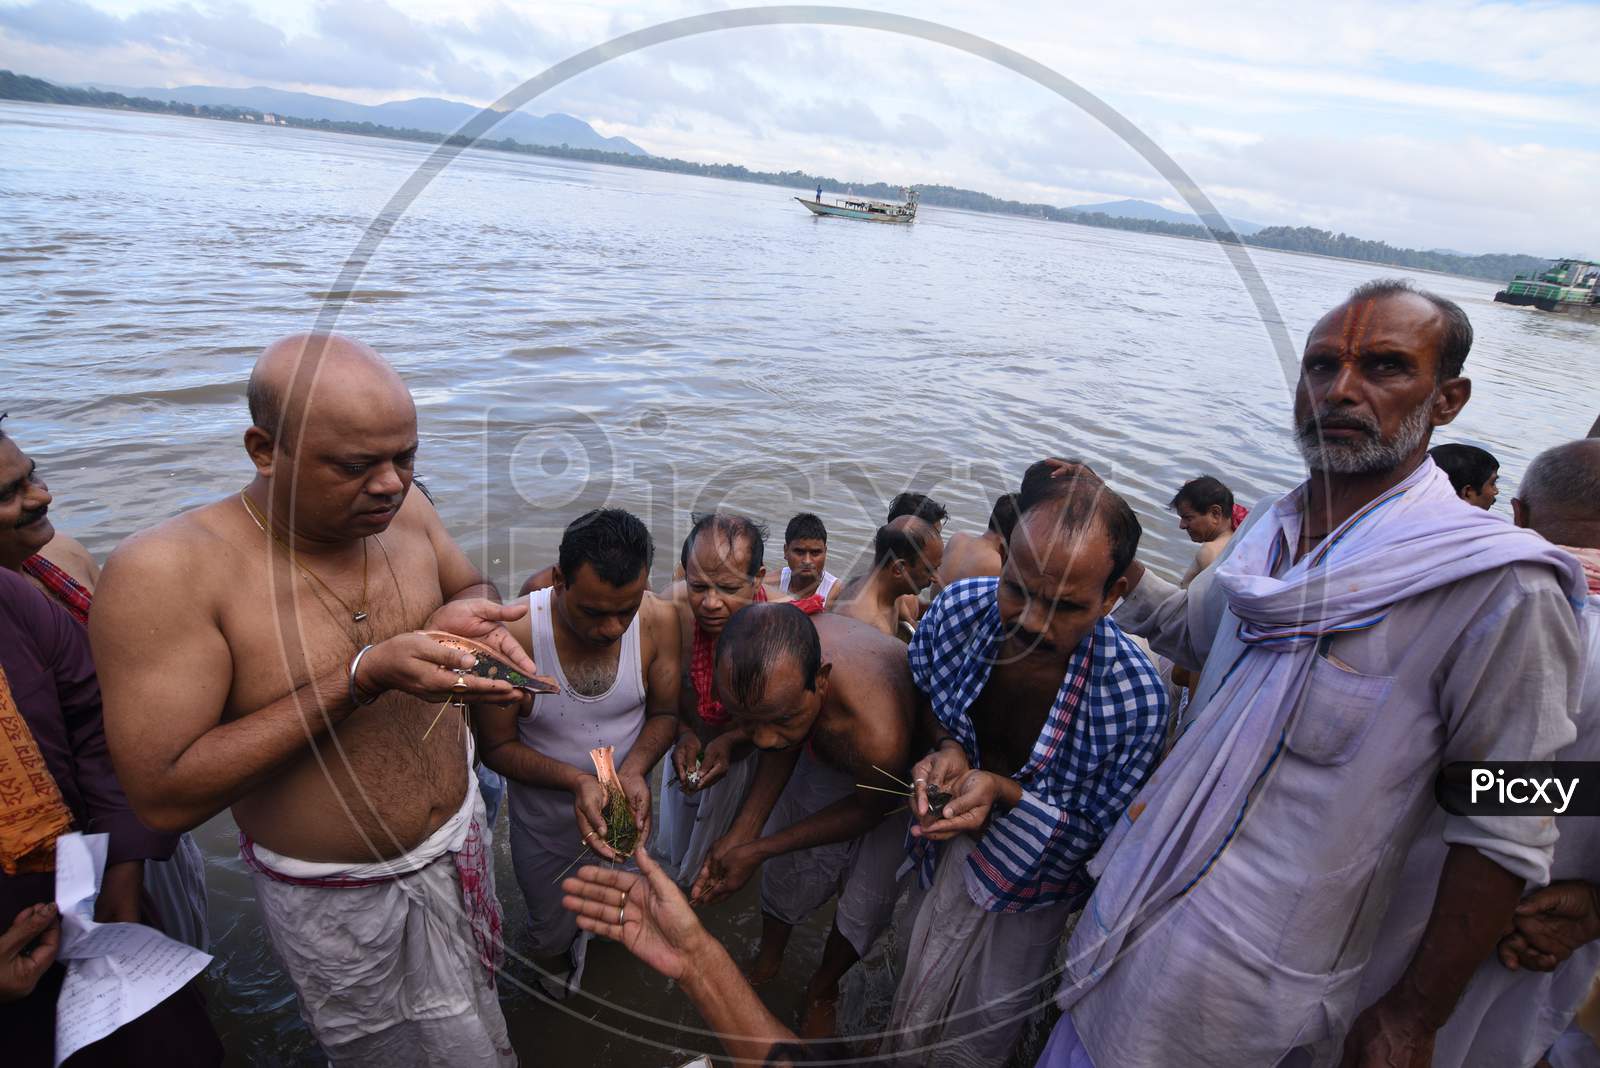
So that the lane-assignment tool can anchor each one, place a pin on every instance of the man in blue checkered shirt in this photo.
(1046, 720)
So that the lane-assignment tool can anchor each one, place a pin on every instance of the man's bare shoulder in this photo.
(69, 555)
(849, 589)
(844, 636)
(179, 554)
(959, 541)
(658, 618)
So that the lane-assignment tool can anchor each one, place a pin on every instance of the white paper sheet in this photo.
(116, 972)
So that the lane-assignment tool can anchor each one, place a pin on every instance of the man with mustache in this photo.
(612, 647)
(63, 569)
(1358, 633)
(262, 653)
(30, 544)
(830, 704)
(805, 560)
(1045, 720)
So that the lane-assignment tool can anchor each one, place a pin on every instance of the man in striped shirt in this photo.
(1046, 720)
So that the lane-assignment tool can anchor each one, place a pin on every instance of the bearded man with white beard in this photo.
(1359, 633)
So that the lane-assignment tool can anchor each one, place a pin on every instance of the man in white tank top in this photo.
(613, 649)
(805, 560)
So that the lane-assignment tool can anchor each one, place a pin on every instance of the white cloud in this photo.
(1433, 123)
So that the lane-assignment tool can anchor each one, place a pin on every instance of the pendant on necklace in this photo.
(359, 617)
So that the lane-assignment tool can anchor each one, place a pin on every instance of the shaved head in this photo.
(330, 370)
(331, 415)
(904, 538)
(1559, 497)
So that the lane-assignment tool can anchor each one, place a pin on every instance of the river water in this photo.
(579, 335)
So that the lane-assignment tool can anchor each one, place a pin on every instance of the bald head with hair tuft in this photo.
(282, 382)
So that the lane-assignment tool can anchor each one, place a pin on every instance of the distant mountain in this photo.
(422, 113)
(1494, 266)
(1143, 209)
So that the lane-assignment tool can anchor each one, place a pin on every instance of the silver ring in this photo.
(919, 782)
(622, 912)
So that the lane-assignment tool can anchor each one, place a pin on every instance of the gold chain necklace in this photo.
(358, 615)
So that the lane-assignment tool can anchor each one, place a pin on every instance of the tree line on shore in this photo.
(1492, 266)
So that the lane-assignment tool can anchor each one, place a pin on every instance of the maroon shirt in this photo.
(45, 653)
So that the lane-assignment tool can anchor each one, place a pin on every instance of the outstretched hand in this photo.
(646, 912)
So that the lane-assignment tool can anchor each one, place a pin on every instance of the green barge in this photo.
(1567, 286)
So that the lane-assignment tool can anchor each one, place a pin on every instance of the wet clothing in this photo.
(394, 962)
(687, 825)
(796, 884)
(972, 978)
(565, 726)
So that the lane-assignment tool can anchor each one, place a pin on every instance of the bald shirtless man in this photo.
(261, 653)
(829, 703)
(906, 554)
(979, 555)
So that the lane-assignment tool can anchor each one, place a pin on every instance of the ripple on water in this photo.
(712, 345)
(365, 296)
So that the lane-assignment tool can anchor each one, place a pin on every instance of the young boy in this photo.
(1474, 472)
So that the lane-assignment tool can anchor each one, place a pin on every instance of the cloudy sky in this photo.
(1464, 125)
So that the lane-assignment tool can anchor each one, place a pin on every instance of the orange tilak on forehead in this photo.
(1357, 322)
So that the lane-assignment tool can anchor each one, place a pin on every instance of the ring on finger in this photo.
(622, 912)
(460, 683)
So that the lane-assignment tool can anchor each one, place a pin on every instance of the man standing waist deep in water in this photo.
(261, 653)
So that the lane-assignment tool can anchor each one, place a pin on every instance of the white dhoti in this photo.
(394, 962)
(972, 978)
(794, 885)
(687, 825)
(861, 871)
(177, 886)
